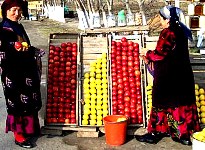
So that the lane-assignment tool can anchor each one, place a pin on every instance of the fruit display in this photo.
(200, 102)
(200, 136)
(126, 80)
(61, 84)
(149, 100)
(95, 92)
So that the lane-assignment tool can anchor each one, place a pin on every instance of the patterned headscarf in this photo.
(173, 14)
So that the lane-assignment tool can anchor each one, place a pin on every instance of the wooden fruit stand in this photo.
(91, 45)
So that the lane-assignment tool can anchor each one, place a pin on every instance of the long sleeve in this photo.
(165, 44)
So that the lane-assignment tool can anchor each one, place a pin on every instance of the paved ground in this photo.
(39, 33)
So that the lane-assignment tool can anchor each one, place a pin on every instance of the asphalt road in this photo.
(39, 34)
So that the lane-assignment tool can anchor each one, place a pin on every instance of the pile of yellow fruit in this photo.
(149, 100)
(200, 102)
(200, 136)
(95, 92)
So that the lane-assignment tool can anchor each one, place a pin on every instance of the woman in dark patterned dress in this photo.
(20, 76)
(174, 112)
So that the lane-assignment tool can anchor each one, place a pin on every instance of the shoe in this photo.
(185, 141)
(148, 138)
(25, 144)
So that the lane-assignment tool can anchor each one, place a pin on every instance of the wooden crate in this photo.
(92, 45)
(136, 38)
(56, 39)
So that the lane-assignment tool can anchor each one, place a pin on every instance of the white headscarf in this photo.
(179, 17)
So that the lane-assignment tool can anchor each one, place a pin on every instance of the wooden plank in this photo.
(87, 134)
(119, 29)
(59, 41)
(76, 128)
(98, 50)
(64, 35)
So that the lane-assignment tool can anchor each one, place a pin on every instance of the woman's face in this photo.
(14, 13)
(164, 23)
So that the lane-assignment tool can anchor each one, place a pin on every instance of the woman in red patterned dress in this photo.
(20, 76)
(174, 110)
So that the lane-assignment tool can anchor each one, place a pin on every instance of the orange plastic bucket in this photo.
(115, 132)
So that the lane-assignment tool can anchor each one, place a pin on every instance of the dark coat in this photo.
(173, 84)
(19, 71)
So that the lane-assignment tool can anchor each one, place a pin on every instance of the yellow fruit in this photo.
(85, 117)
(202, 97)
(99, 92)
(25, 44)
(202, 103)
(93, 96)
(86, 85)
(105, 100)
(86, 75)
(198, 109)
(105, 95)
(198, 104)
(87, 100)
(149, 96)
(87, 96)
(197, 98)
(98, 81)
(86, 91)
(99, 117)
(105, 106)
(149, 105)
(104, 80)
(201, 91)
(99, 122)
(105, 112)
(98, 76)
(92, 90)
(196, 86)
(93, 117)
(98, 70)
(104, 91)
(104, 65)
(203, 120)
(92, 122)
(104, 85)
(92, 74)
(202, 108)
(87, 106)
(92, 102)
(149, 87)
(196, 92)
(99, 103)
(99, 112)
(98, 65)
(104, 75)
(99, 97)
(149, 101)
(104, 70)
(98, 107)
(86, 80)
(86, 111)
(84, 122)
(121, 119)
(149, 92)
(98, 86)
(202, 115)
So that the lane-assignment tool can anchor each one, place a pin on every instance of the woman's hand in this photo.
(144, 59)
